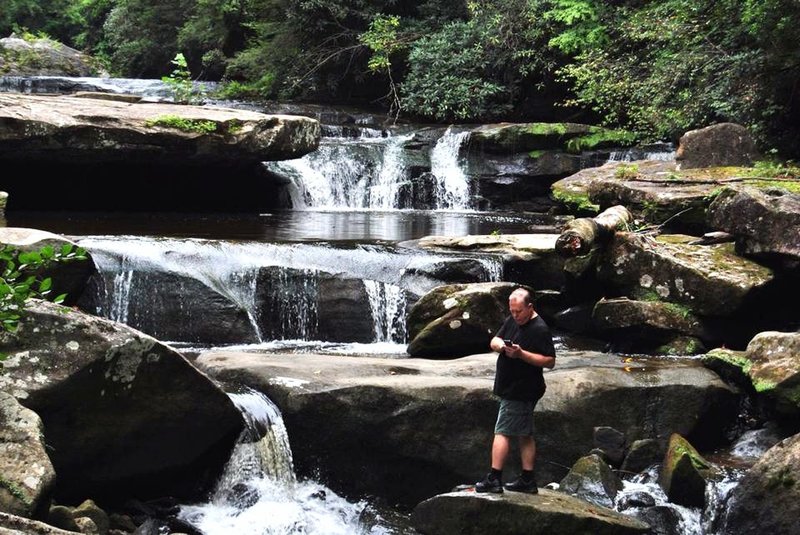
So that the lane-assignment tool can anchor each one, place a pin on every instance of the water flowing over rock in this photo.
(27, 473)
(766, 223)
(767, 499)
(423, 426)
(124, 414)
(172, 154)
(548, 512)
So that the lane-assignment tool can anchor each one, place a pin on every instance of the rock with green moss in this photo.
(708, 280)
(765, 221)
(775, 368)
(767, 498)
(591, 479)
(457, 319)
(653, 327)
(732, 366)
(684, 473)
(26, 473)
(40, 56)
(508, 138)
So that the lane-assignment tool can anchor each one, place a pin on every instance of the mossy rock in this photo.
(684, 473)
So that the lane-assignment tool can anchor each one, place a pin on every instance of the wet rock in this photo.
(591, 479)
(684, 473)
(611, 442)
(767, 498)
(642, 454)
(548, 512)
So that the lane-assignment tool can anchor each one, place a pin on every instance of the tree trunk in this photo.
(580, 234)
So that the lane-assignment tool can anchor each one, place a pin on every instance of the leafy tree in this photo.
(142, 35)
(667, 67)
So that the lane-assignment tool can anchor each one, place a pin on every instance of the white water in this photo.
(453, 189)
(258, 493)
(388, 305)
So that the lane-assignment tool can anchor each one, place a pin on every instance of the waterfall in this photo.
(362, 173)
(388, 305)
(259, 494)
(152, 90)
(664, 152)
(118, 309)
(452, 185)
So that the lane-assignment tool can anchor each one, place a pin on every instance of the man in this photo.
(525, 348)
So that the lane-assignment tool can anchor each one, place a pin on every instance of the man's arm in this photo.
(497, 344)
(536, 359)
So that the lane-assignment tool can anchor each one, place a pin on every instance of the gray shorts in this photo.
(515, 418)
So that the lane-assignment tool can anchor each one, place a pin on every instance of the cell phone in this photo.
(508, 342)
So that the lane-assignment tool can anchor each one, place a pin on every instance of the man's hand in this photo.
(513, 351)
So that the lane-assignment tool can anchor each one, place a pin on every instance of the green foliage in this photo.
(382, 39)
(20, 279)
(181, 84)
(626, 171)
(195, 126)
(447, 79)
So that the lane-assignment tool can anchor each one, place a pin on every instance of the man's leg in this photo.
(527, 452)
(500, 448)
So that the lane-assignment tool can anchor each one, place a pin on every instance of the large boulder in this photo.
(423, 426)
(171, 155)
(458, 319)
(645, 326)
(709, 280)
(719, 145)
(27, 473)
(468, 513)
(766, 222)
(42, 56)
(68, 277)
(767, 498)
(774, 368)
(124, 415)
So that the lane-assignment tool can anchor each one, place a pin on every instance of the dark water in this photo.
(287, 226)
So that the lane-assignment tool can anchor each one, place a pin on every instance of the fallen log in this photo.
(579, 235)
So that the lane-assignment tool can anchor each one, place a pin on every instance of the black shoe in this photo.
(489, 484)
(522, 485)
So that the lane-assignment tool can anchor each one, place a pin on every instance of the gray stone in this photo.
(611, 442)
(642, 454)
(766, 222)
(767, 498)
(591, 479)
(513, 513)
(16, 525)
(26, 473)
(684, 473)
(41, 57)
(775, 368)
(435, 417)
(122, 412)
(719, 145)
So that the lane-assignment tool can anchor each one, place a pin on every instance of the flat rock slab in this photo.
(519, 244)
(71, 129)
(511, 513)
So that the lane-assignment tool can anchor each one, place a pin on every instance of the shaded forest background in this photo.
(654, 67)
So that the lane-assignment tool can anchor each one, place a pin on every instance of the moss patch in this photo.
(15, 491)
(576, 201)
(601, 137)
(196, 126)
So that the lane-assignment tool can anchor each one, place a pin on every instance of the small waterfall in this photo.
(152, 90)
(292, 303)
(387, 303)
(343, 173)
(664, 152)
(452, 184)
(259, 494)
(118, 310)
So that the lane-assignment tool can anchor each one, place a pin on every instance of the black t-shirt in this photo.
(515, 378)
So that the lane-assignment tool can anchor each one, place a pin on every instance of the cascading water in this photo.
(388, 305)
(259, 494)
(362, 173)
(453, 189)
